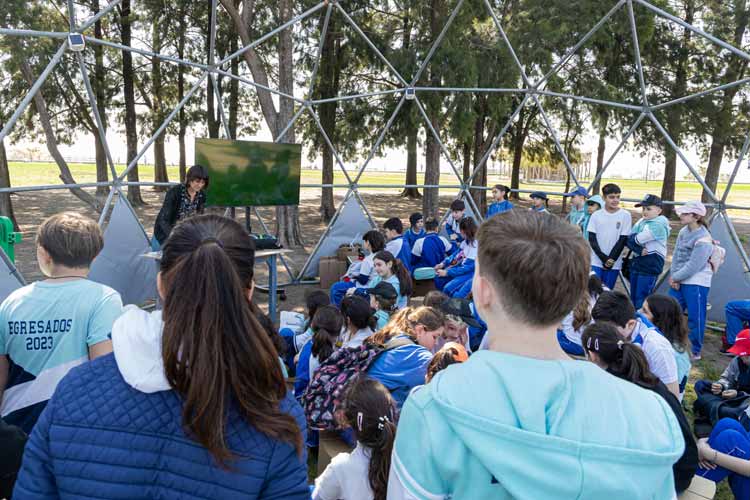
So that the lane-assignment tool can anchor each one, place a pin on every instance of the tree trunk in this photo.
(102, 168)
(128, 76)
(466, 154)
(328, 86)
(6, 205)
(411, 164)
(287, 217)
(674, 125)
(519, 139)
(51, 139)
(158, 111)
(600, 157)
(431, 199)
(181, 91)
(481, 145)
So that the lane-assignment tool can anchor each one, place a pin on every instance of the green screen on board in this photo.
(244, 173)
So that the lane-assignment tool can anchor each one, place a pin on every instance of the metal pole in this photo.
(637, 51)
(684, 159)
(52, 187)
(736, 240)
(437, 138)
(290, 124)
(617, 150)
(32, 92)
(701, 94)
(507, 43)
(163, 126)
(323, 34)
(272, 33)
(99, 15)
(591, 100)
(268, 231)
(254, 84)
(692, 28)
(474, 206)
(330, 144)
(72, 16)
(486, 156)
(220, 101)
(45, 34)
(741, 157)
(105, 209)
(437, 43)
(212, 35)
(364, 207)
(97, 114)
(356, 96)
(557, 141)
(577, 46)
(456, 90)
(380, 138)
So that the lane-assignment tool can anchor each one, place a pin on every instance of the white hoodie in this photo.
(136, 342)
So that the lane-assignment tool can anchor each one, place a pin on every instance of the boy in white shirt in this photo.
(608, 231)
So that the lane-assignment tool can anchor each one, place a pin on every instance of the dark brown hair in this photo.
(375, 239)
(521, 254)
(624, 359)
(266, 323)
(358, 311)
(670, 321)
(196, 172)
(505, 189)
(215, 353)
(326, 326)
(440, 361)
(314, 300)
(70, 239)
(469, 229)
(434, 298)
(370, 411)
(405, 285)
(404, 322)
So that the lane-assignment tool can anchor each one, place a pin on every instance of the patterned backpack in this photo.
(326, 389)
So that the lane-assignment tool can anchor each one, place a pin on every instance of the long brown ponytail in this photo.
(406, 287)
(215, 351)
(624, 359)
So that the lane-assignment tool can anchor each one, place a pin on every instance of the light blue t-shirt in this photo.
(46, 329)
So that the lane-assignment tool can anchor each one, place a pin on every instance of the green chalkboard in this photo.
(244, 173)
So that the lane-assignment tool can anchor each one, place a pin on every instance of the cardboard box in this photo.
(331, 271)
(344, 252)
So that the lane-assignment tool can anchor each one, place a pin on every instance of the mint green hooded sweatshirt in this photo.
(501, 426)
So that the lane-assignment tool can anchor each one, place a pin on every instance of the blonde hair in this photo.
(582, 312)
(404, 322)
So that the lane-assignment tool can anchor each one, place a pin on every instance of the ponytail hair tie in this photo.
(620, 343)
(382, 420)
(360, 417)
(211, 239)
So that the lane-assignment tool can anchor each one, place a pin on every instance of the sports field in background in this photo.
(43, 173)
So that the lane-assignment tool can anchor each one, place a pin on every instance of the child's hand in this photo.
(439, 266)
(729, 394)
(717, 388)
(350, 292)
(454, 237)
(644, 253)
(609, 264)
(442, 273)
(705, 454)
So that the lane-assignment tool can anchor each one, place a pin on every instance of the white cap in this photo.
(692, 207)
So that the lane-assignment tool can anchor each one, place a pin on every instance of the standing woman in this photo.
(691, 271)
(181, 202)
(191, 404)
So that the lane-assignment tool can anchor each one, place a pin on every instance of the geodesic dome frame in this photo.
(531, 91)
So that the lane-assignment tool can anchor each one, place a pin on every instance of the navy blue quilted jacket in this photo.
(100, 438)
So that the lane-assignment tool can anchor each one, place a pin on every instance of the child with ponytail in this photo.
(359, 321)
(454, 275)
(326, 327)
(392, 270)
(369, 410)
(611, 351)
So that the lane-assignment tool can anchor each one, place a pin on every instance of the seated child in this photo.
(430, 250)
(617, 308)
(592, 205)
(458, 209)
(295, 341)
(434, 298)
(459, 317)
(450, 354)
(397, 245)
(571, 329)
(277, 340)
(369, 410)
(359, 321)
(735, 381)
(540, 202)
(454, 274)
(383, 298)
(51, 326)
(326, 326)
(648, 242)
(726, 454)
(416, 229)
(391, 270)
(501, 204)
(372, 243)
(737, 313)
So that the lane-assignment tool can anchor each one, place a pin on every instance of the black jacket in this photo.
(12, 442)
(167, 217)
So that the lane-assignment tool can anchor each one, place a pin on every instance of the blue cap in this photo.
(539, 194)
(579, 191)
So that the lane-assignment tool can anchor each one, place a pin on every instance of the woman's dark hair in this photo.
(504, 189)
(624, 359)
(267, 323)
(394, 224)
(375, 239)
(406, 287)
(196, 172)
(314, 300)
(469, 228)
(326, 326)
(369, 409)
(668, 318)
(596, 287)
(215, 353)
(358, 311)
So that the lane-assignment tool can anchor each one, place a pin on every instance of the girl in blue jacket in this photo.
(192, 403)
(500, 194)
(454, 274)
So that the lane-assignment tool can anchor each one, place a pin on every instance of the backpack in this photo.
(326, 389)
(718, 255)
